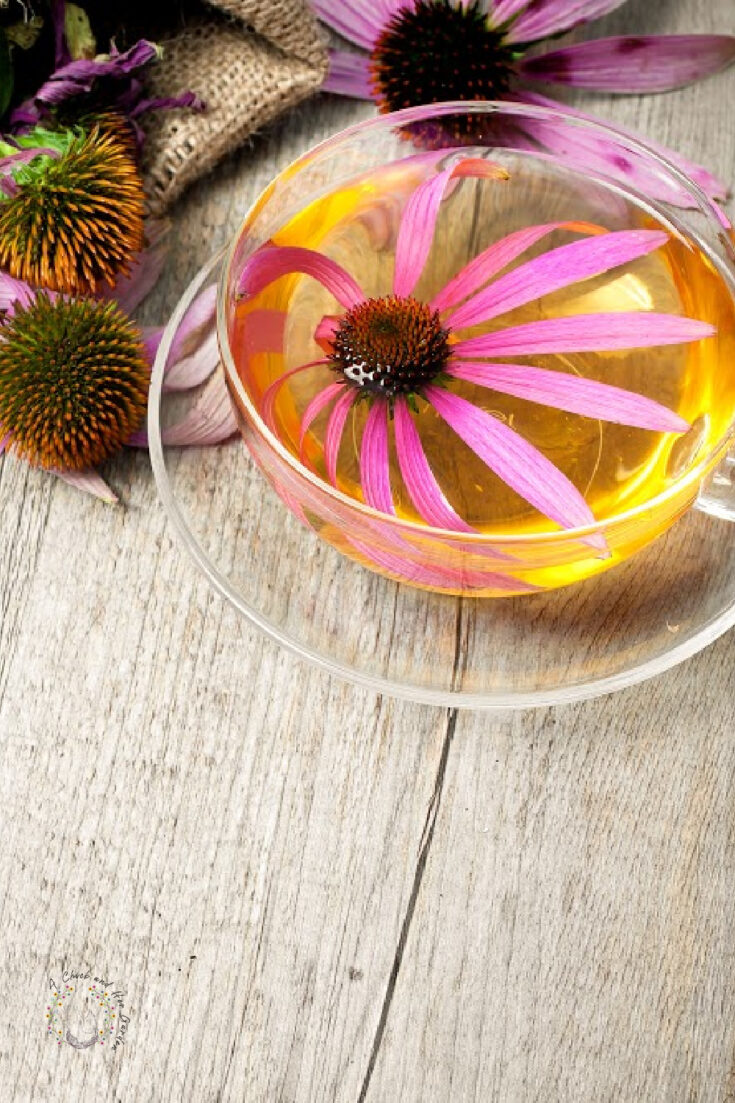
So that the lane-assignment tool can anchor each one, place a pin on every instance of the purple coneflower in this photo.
(74, 375)
(394, 351)
(430, 51)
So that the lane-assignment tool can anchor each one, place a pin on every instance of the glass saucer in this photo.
(643, 617)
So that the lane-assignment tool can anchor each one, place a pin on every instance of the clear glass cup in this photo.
(604, 631)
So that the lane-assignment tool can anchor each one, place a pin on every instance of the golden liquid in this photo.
(615, 467)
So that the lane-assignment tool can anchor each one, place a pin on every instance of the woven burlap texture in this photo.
(249, 61)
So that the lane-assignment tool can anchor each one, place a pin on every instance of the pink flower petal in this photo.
(210, 421)
(349, 75)
(335, 429)
(505, 10)
(263, 331)
(273, 261)
(325, 331)
(590, 151)
(14, 292)
(416, 231)
(268, 401)
(89, 482)
(586, 333)
(424, 491)
(318, 403)
(360, 21)
(654, 63)
(151, 340)
(407, 569)
(570, 392)
(558, 268)
(497, 256)
(192, 370)
(130, 291)
(521, 466)
(200, 314)
(548, 17)
(374, 459)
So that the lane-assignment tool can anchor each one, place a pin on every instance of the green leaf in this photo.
(6, 73)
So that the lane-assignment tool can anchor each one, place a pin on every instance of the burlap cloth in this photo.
(249, 60)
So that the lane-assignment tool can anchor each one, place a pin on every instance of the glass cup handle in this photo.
(717, 493)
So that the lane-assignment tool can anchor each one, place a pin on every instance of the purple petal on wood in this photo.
(360, 21)
(349, 75)
(416, 232)
(424, 491)
(504, 10)
(199, 315)
(151, 336)
(497, 256)
(627, 63)
(79, 77)
(335, 429)
(210, 421)
(89, 482)
(130, 290)
(14, 292)
(521, 466)
(318, 403)
(374, 459)
(548, 17)
(554, 270)
(586, 333)
(273, 261)
(590, 151)
(194, 369)
(268, 401)
(572, 393)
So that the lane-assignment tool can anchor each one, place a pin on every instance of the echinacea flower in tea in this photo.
(398, 354)
(432, 51)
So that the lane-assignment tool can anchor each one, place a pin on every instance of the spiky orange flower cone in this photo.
(75, 221)
(73, 381)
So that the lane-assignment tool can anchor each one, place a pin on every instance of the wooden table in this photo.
(307, 893)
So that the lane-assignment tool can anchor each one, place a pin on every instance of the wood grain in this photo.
(309, 893)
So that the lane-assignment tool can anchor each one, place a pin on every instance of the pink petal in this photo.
(497, 256)
(570, 392)
(374, 460)
(349, 75)
(416, 231)
(89, 482)
(521, 466)
(210, 421)
(424, 491)
(591, 151)
(548, 17)
(335, 429)
(263, 331)
(654, 63)
(130, 291)
(587, 333)
(408, 570)
(268, 401)
(558, 268)
(325, 331)
(200, 314)
(318, 403)
(505, 10)
(360, 21)
(273, 261)
(14, 292)
(151, 340)
(195, 369)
